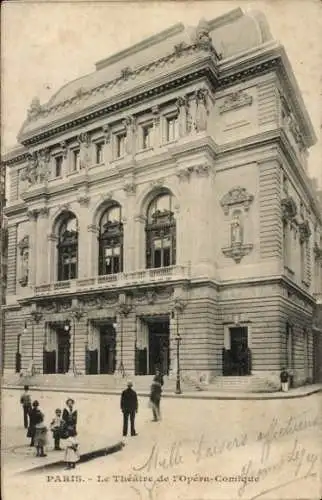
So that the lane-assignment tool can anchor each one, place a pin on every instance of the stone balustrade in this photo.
(144, 276)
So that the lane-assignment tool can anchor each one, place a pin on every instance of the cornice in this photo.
(16, 209)
(202, 65)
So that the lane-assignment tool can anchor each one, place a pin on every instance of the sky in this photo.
(46, 44)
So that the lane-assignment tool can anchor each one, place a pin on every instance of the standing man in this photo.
(284, 377)
(159, 377)
(25, 401)
(129, 407)
(155, 397)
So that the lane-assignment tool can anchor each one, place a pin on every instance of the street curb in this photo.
(86, 457)
(203, 395)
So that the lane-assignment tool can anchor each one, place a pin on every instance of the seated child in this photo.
(71, 451)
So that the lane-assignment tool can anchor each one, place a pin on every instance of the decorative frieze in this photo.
(237, 196)
(236, 100)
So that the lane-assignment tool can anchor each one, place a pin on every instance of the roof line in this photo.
(147, 42)
(217, 22)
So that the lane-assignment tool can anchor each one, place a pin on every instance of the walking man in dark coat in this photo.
(129, 407)
(155, 397)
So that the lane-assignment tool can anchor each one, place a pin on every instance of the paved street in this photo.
(202, 449)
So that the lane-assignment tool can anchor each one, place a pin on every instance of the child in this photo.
(25, 401)
(35, 417)
(56, 427)
(40, 437)
(71, 451)
(284, 377)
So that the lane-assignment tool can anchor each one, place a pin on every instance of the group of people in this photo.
(129, 403)
(63, 426)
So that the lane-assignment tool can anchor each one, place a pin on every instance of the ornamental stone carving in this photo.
(201, 170)
(37, 168)
(235, 100)
(35, 109)
(182, 108)
(126, 73)
(237, 196)
(63, 146)
(23, 246)
(305, 231)
(179, 49)
(106, 133)
(237, 251)
(289, 209)
(202, 39)
(130, 126)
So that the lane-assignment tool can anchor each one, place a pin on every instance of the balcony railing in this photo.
(119, 280)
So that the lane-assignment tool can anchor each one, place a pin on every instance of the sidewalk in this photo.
(298, 392)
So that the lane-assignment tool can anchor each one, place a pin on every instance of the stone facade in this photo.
(225, 134)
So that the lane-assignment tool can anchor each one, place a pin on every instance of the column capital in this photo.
(44, 212)
(33, 214)
(92, 228)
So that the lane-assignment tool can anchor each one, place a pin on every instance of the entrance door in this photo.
(63, 351)
(107, 349)
(239, 351)
(159, 352)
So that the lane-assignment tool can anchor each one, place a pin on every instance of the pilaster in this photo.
(41, 252)
(33, 255)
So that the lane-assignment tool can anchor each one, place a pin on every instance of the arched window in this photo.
(161, 232)
(111, 241)
(68, 248)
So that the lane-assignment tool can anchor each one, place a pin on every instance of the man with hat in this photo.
(129, 407)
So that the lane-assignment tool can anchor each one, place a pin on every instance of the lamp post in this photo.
(123, 310)
(178, 308)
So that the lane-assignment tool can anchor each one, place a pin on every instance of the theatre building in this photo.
(163, 196)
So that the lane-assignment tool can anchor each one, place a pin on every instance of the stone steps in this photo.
(141, 383)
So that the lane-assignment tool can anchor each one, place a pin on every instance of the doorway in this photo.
(107, 349)
(63, 350)
(237, 359)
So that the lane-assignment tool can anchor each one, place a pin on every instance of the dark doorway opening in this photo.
(107, 349)
(63, 350)
(159, 345)
(237, 359)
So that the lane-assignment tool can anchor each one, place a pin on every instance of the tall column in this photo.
(52, 263)
(92, 248)
(107, 144)
(129, 229)
(140, 244)
(201, 197)
(182, 107)
(84, 244)
(42, 247)
(156, 127)
(33, 216)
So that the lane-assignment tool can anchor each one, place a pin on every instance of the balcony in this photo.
(112, 281)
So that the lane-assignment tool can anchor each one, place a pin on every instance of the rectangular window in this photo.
(172, 128)
(120, 145)
(76, 160)
(58, 166)
(99, 153)
(147, 136)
